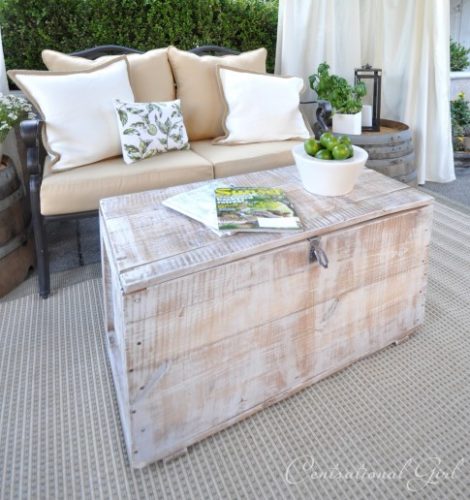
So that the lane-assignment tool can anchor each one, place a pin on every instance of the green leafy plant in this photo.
(460, 121)
(29, 26)
(344, 98)
(13, 109)
(459, 56)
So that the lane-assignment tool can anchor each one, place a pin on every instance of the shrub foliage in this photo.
(459, 56)
(460, 120)
(29, 26)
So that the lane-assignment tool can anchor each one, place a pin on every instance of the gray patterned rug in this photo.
(394, 425)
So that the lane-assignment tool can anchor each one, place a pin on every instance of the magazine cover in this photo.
(255, 209)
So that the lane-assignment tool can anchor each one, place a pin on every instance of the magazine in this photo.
(255, 209)
(199, 204)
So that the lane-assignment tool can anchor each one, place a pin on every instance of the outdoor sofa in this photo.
(76, 192)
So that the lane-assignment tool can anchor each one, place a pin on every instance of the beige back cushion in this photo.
(202, 103)
(150, 73)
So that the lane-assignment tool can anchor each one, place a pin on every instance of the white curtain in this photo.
(408, 39)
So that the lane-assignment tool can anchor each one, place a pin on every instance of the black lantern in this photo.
(372, 78)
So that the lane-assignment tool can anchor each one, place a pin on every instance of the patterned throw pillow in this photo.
(150, 128)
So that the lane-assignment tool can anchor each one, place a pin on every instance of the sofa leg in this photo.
(42, 256)
(40, 241)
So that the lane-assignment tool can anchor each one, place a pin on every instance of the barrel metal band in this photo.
(13, 244)
(11, 199)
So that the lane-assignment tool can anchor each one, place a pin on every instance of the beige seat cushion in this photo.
(80, 189)
(243, 158)
(149, 73)
(196, 85)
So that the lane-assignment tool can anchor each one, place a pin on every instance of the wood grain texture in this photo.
(218, 328)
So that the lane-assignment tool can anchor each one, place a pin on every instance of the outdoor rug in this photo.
(394, 425)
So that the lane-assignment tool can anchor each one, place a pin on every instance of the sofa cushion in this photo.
(150, 128)
(260, 108)
(149, 73)
(81, 189)
(196, 85)
(243, 158)
(78, 110)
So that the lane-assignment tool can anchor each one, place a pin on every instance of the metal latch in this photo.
(317, 254)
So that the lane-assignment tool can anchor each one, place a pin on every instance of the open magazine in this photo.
(255, 209)
(226, 210)
(199, 204)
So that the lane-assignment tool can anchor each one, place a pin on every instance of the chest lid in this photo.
(149, 243)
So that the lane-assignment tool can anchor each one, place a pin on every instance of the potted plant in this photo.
(13, 109)
(466, 137)
(460, 120)
(345, 99)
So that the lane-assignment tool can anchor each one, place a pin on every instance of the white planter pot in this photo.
(329, 177)
(347, 124)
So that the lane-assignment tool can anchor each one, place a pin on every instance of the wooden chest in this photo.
(204, 331)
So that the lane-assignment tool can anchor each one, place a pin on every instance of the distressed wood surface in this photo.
(152, 243)
(202, 347)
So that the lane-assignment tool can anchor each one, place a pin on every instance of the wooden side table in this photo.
(390, 151)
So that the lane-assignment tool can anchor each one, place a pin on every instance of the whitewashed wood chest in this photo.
(203, 331)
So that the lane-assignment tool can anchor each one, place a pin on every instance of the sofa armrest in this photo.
(323, 114)
(30, 131)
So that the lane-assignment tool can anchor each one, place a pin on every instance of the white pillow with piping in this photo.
(261, 107)
(78, 110)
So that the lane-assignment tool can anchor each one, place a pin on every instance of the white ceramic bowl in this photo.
(329, 177)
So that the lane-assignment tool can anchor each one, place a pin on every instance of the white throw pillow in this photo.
(78, 111)
(150, 128)
(261, 107)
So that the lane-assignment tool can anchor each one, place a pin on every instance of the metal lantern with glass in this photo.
(372, 78)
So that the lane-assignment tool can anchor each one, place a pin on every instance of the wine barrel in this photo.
(16, 248)
(390, 151)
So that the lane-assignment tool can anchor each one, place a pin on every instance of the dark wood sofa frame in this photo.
(31, 133)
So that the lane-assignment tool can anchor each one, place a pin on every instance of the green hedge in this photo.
(28, 26)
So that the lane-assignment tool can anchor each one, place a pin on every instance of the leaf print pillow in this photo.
(150, 128)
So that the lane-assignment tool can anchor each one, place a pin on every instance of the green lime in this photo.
(351, 151)
(324, 154)
(344, 139)
(340, 152)
(332, 143)
(325, 139)
(312, 146)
